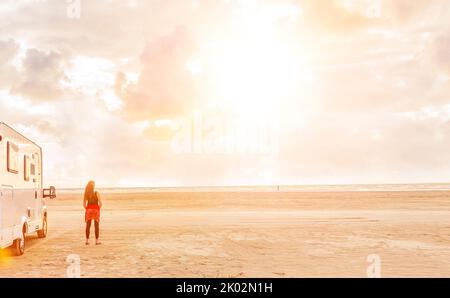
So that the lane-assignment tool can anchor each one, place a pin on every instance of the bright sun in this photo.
(255, 74)
(257, 66)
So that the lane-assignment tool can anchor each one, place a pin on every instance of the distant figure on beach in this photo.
(92, 203)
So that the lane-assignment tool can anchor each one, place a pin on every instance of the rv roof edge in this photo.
(9, 127)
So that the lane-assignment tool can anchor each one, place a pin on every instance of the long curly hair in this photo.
(89, 191)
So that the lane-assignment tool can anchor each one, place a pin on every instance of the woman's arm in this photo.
(99, 200)
(84, 203)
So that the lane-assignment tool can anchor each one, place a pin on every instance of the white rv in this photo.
(22, 199)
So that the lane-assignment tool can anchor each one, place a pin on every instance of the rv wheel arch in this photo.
(23, 225)
(19, 243)
(42, 233)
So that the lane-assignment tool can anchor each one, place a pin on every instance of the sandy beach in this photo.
(246, 234)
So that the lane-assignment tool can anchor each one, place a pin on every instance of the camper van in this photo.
(22, 197)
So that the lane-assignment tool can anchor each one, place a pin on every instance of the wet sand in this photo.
(246, 234)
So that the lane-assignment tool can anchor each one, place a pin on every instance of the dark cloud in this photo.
(42, 75)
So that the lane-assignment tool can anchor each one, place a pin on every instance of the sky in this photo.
(230, 92)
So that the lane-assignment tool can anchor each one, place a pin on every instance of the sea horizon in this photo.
(275, 188)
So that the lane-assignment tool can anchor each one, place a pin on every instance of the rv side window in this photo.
(33, 169)
(13, 158)
(26, 168)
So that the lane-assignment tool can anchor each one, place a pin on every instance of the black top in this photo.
(94, 199)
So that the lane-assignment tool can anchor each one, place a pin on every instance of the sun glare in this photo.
(255, 74)
(258, 67)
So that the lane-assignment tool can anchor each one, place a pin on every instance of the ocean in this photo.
(275, 188)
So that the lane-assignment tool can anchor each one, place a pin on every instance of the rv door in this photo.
(35, 164)
(7, 213)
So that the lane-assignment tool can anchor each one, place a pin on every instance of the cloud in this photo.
(441, 48)
(330, 16)
(46, 25)
(366, 71)
(41, 76)
(381, 147)
(165, 87)
(162, 133)
(8, 50)
(417, 13)
(8, 72)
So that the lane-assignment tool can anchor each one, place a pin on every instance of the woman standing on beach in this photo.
(92, 203)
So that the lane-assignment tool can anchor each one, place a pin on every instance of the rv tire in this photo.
(19, 244)
(43, 232)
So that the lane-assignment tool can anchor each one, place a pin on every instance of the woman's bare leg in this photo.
(97, 232)
(88, 230)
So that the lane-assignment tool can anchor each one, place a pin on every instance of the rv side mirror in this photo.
(50, 192)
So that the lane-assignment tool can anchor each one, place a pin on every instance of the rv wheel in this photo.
(19, 245)
(43, 233)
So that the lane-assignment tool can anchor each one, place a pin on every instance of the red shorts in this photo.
(92, 214)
